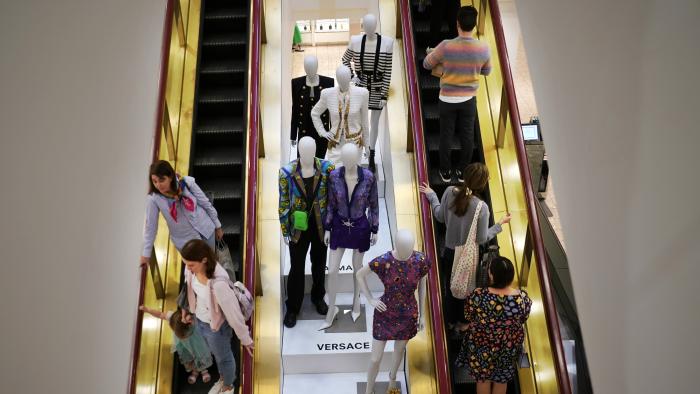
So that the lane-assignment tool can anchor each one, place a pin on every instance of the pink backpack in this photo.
(245, 299)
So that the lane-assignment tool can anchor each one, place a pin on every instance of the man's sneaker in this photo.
(460, 176)
(446, 176)
(216, 388)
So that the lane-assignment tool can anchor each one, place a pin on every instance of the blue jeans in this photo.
(219, 342)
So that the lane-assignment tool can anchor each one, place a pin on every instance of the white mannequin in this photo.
(403, 251)
(312, 80)
(350, 155)
(369, 26)
(307, 150)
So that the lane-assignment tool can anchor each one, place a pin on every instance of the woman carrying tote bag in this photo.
(466, 218)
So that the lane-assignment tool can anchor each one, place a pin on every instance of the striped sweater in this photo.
(379, 87)
(463, 59)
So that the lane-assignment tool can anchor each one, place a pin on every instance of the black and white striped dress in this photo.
(378, 85)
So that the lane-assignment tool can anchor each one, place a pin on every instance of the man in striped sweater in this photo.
(463, 59)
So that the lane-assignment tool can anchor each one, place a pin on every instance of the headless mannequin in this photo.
(307, 149)
(403, 251)
(369, 25)
(350, 155)
(312, 80)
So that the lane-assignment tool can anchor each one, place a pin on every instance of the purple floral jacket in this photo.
(364, 196)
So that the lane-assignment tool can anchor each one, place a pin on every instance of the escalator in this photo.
(218, 147)
(429, 91)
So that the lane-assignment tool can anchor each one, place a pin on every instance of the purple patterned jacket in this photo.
(353, 207)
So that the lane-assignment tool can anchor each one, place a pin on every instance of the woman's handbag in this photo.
(463, 278)
(223, 256)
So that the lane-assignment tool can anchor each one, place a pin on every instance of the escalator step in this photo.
(231, 224)
(222, 189)
(218, 156)
(226, 13)
(222, 95)
(221, 125)
(225, 67)
(225, 39)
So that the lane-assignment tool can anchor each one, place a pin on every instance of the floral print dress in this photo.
(400, 279)
(495, 337)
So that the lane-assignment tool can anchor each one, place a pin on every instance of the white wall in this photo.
(617, 87)
(77, 114)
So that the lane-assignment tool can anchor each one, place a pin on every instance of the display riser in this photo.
(337, 383)
(306, 350)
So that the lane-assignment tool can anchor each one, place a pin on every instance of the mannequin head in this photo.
(350, 155)
(369, 24)
(311, 65)
(343, 75)
(405, 241)
(307, 150)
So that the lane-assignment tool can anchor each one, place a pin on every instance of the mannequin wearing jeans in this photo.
(410, 270)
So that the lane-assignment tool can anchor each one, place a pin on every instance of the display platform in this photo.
(338, 383)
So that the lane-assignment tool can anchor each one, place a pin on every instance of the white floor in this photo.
(338, 383)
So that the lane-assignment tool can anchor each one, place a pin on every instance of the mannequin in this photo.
(303, 189)
(349, 226)
(409, 267)
(371, 55)
(347, 106)
(306, 91)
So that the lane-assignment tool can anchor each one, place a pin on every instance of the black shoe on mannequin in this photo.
(321, 306)
(290, 319)
(372, 166)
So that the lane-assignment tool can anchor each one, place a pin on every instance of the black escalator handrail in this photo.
(249, 274)
(162, 84)
(439, 343)
(564, 387)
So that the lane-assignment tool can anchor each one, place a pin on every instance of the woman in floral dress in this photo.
(494, 340)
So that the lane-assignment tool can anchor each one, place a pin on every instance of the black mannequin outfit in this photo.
(304, 98)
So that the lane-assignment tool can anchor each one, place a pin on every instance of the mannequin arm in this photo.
(284, 203)
(364, 118)
(386, 80)
(347, 59)
(362, 281)
(421, 302)
(320, 107)
(293, 128)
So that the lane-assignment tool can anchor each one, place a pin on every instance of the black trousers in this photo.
(457, 118)
(443, 11)
(295, 281)
(452, 308)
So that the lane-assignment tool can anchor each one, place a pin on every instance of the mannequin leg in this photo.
(356, 265)
(332, 288)
(375, 360)
(373, 135)
(399, 351)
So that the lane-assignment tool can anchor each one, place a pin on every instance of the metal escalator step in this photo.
(222, 95)
(225, 67)
(431, 111)
(221, 125)
(429, 82)
(231, 224)
(226, 13)
(225, 39)
(222, 189)
(218, 156)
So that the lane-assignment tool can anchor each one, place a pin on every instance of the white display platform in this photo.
(381, 181)
(345, 276)
(305, 350)
(338, 383)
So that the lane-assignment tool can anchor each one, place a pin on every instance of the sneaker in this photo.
(216, 388)
(446, 176)
(230, 391)
(460, 176)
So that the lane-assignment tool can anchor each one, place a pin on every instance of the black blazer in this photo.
(302, 104)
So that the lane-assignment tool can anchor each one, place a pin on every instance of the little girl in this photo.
(193, 352)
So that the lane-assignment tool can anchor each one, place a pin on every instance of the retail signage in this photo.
(334, 347)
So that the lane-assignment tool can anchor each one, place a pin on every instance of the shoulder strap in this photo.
(376, 54)
(472, 230)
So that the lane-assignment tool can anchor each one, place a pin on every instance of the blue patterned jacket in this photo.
(293, 195)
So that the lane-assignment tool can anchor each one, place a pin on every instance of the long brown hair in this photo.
(198, 250)
(476, 177)
(161, 169)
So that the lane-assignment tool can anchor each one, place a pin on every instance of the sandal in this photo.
(206, 378)
(192, 379)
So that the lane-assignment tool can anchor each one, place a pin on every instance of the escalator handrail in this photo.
(439, 343)
(533, 219)
(252, 179)
(162, 84)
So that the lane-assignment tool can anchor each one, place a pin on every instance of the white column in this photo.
(617, 87)
(77, 114)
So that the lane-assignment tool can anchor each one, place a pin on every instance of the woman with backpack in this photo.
(457, 208)
(216, 309)
(186, 209)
